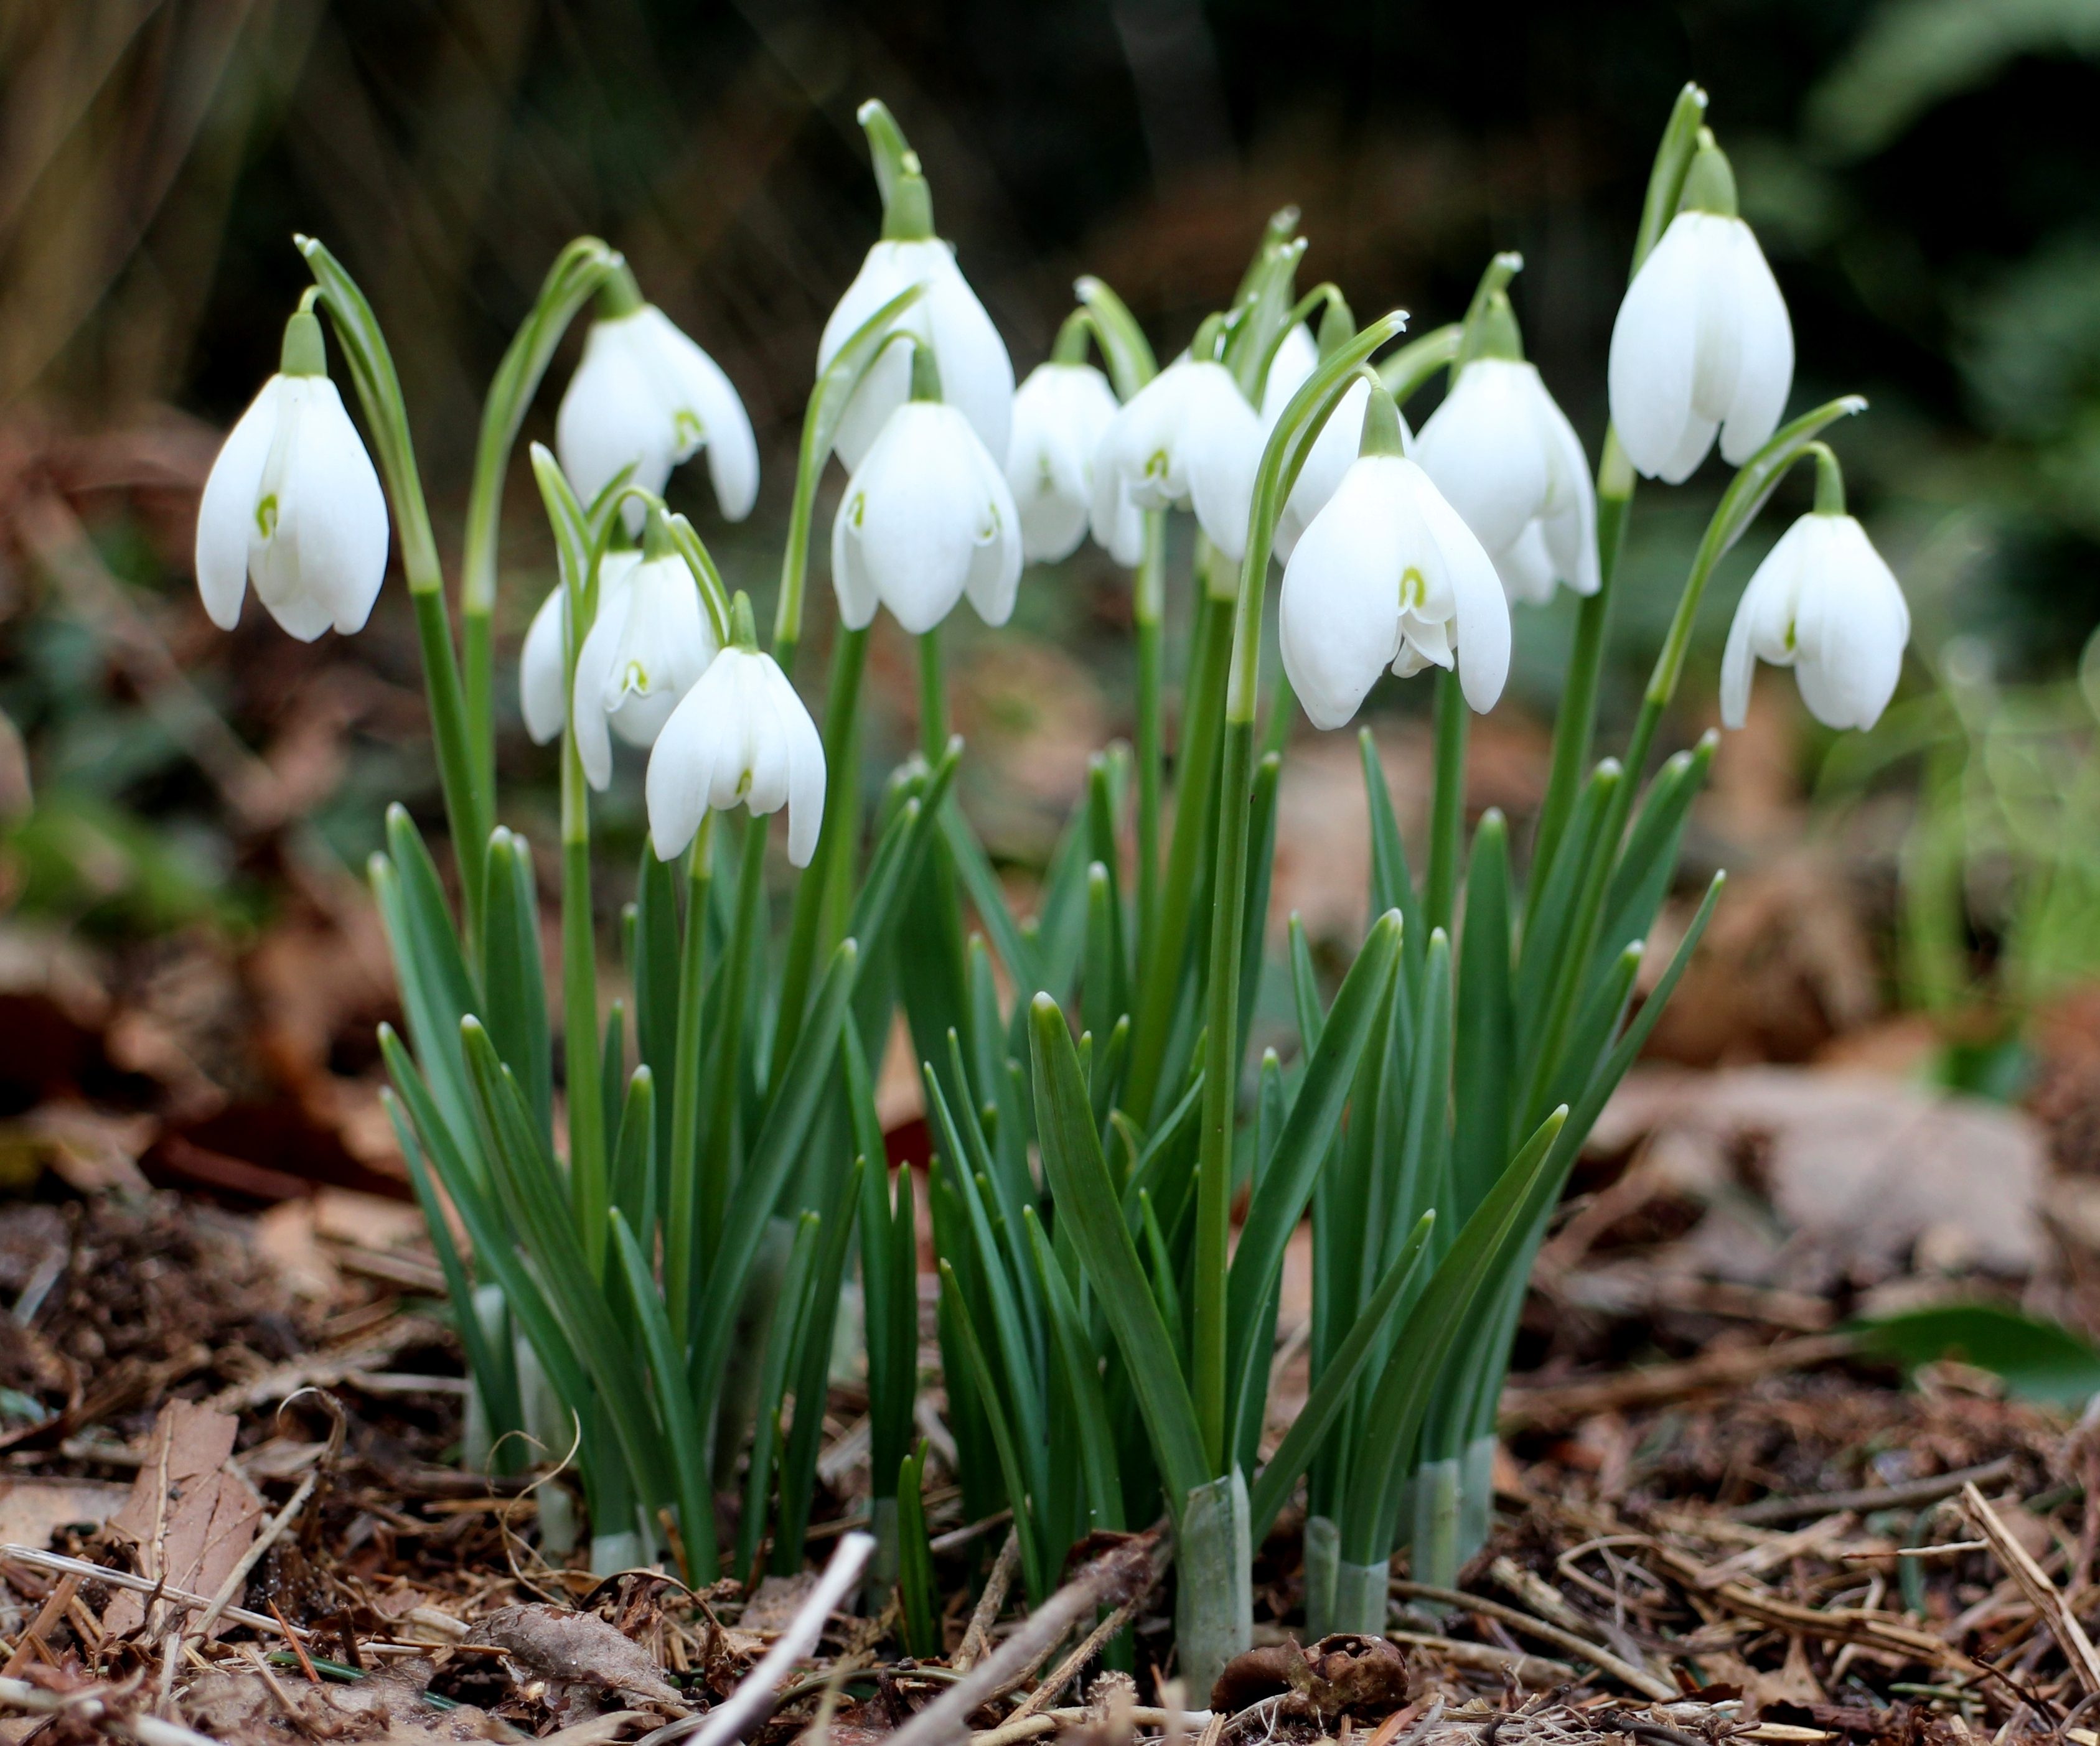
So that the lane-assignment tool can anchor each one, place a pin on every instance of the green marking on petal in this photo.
(686, 427)
(266, 516)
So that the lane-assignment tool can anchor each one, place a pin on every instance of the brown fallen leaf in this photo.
(577, 1648)
(386, 1705)
(189, 1517)
(32, 1510)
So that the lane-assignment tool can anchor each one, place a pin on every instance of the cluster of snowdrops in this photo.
(1106, 1346)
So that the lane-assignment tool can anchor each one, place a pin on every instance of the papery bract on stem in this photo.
(293, 503)
(1060, 415)
(1187, 439)
(646, 396)
(1824, 603)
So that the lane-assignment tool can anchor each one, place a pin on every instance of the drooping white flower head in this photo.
(1507, 459)
(542, 693)
(646, 396)
(293, 503)
(1188, 439)
(1388, 575)
(926, 518)
(1702, 341)
(1060, 415)
(648, 646)
(1824, 603)
(741, 736)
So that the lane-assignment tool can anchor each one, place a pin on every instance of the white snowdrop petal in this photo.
(1484, 450)
(1480, 610)
(342, 533)
(1337, 614)
(1527, 567)
(857, 596)
(1765, 370)
(225, 513)
(977, 374)
(1334, 451)
(805, 778)
(675, 786)
(594, 664)
(1297, 357)
(706, 393)
(1653, 342)
(918, 516)
(612, 415)
(541, 664)
(993, 580)
(1717, 352)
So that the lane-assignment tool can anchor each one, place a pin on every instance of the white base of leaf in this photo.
(1476, 1497)
(1323, 1552)
(611, 1553)
(880, 1575)
(1361, 1598)
(1435, 1558)
(1214, 1608)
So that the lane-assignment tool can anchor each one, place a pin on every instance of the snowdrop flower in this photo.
(1059, 418)
(1387, 574)
(1507, 459)
(293, 503)
(1824, 603)
(740, 735)
(975, 369)
(646, 396)
(1187, 439)
(926, 518)
(1702, 341)
(542, 691)
(649, 644)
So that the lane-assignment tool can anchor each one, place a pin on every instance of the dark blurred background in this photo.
(1918, 171)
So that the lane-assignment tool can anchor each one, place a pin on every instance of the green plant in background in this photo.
(2004, 846)
(672, 1269)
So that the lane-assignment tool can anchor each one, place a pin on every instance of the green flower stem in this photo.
(468, 809)
(795, 552)
(1148, 605)
(1447, 817)
(933, 698)
(1574, 728)
(728, 1054)
(1310, 406)
(681, 1168)
(577, 273)
(588, 1184)
(835, 841)
(1159, 980)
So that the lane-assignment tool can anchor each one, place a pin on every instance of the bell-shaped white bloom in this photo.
(541, 692)
(646, 396)
(741, 736)
(1297, 357)
(1824, 603)
(294, 504)
(1059, 416)
(648, 646)
(976, 375)
(1387, 574)
(926, 518)
(1187, 439)
(1507, 459)
(1702, 342)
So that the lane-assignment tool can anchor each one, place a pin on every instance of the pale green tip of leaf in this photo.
(471, 1027)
